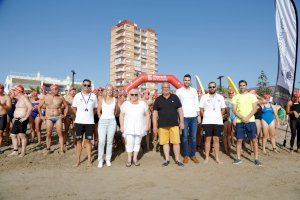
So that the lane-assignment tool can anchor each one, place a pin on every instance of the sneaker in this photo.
(195, 159)
(237, 162)
(166, 163)
(180, 164)
(185, 159)
(100, 165)
(108, 163)
(257, 163)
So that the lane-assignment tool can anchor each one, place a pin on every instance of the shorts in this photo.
(212, 130)
(245, 130)
(3, 122)
(87, 129)
(168, 135)
(19, 127)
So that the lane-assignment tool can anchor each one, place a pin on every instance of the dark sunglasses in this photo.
(212, 87)
(134, 95)
(86, 85)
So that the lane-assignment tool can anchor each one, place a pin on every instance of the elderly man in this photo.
(5, 105)
(20, 121)
(167, 110)
(54, 104)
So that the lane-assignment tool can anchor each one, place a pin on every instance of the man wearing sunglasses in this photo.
(212, 107)
(191, 113)
(84, 106)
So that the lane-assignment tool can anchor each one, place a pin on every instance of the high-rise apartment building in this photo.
(133, 51)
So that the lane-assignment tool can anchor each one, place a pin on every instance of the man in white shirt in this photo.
(212, 107)
(84, 106)
(191, 113)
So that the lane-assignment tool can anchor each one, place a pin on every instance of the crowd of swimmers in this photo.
(184, 119)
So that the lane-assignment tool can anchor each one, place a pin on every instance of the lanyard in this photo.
(213, 101)
(86, 102)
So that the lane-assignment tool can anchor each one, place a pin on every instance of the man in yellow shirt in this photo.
(244, 107)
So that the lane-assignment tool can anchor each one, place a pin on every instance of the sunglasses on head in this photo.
(86, 85)
(134, 95)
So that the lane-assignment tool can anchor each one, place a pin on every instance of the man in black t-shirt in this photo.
(167, 109)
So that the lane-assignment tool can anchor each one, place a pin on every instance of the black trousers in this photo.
(295, 131)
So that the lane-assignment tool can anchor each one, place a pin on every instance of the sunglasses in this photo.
(134, 95)
(86, 85)
(211, 87)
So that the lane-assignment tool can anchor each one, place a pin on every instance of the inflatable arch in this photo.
(154, 78)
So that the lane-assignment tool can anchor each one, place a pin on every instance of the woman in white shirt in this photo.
(134, 121)
(107, 109)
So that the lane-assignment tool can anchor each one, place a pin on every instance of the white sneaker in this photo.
(108, 163)
(100, 165)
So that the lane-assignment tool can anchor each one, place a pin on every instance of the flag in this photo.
(287, 37)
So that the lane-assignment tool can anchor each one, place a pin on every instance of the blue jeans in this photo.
(106, 132)
(189, 136)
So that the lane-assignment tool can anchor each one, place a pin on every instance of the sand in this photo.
(53, 177)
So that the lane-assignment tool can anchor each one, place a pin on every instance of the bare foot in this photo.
(47, 152)
(21, 155)
(219, 162)
(14, 153)
(265, 152)
(206, 161)
(89, 164)
(77, 164)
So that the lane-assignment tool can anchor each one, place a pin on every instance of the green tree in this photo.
(263, 84)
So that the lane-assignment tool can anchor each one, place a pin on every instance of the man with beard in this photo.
(212, 107)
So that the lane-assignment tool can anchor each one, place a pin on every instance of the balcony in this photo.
(120, 29)
(137, 51)
(138, 39)
(120, 35)
(121, 55)
(120, 42)
(120, 69)
(120, 48)
(118, 77)
(138, 69)
(138, 32)
(120, 62)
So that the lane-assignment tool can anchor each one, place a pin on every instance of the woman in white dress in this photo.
(134, 121)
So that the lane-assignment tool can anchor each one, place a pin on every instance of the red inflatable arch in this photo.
(154, 78)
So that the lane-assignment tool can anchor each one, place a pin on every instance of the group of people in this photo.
(184, 118)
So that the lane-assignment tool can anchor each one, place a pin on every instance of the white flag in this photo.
(287, 36)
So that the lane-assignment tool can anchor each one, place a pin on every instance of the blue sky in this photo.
(208, 38)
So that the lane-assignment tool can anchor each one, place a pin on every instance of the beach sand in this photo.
(53, 177)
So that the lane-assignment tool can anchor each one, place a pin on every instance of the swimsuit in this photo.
(54, 119)
(35, 111)
(257, 115)
(231, 114)
(267, 114)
